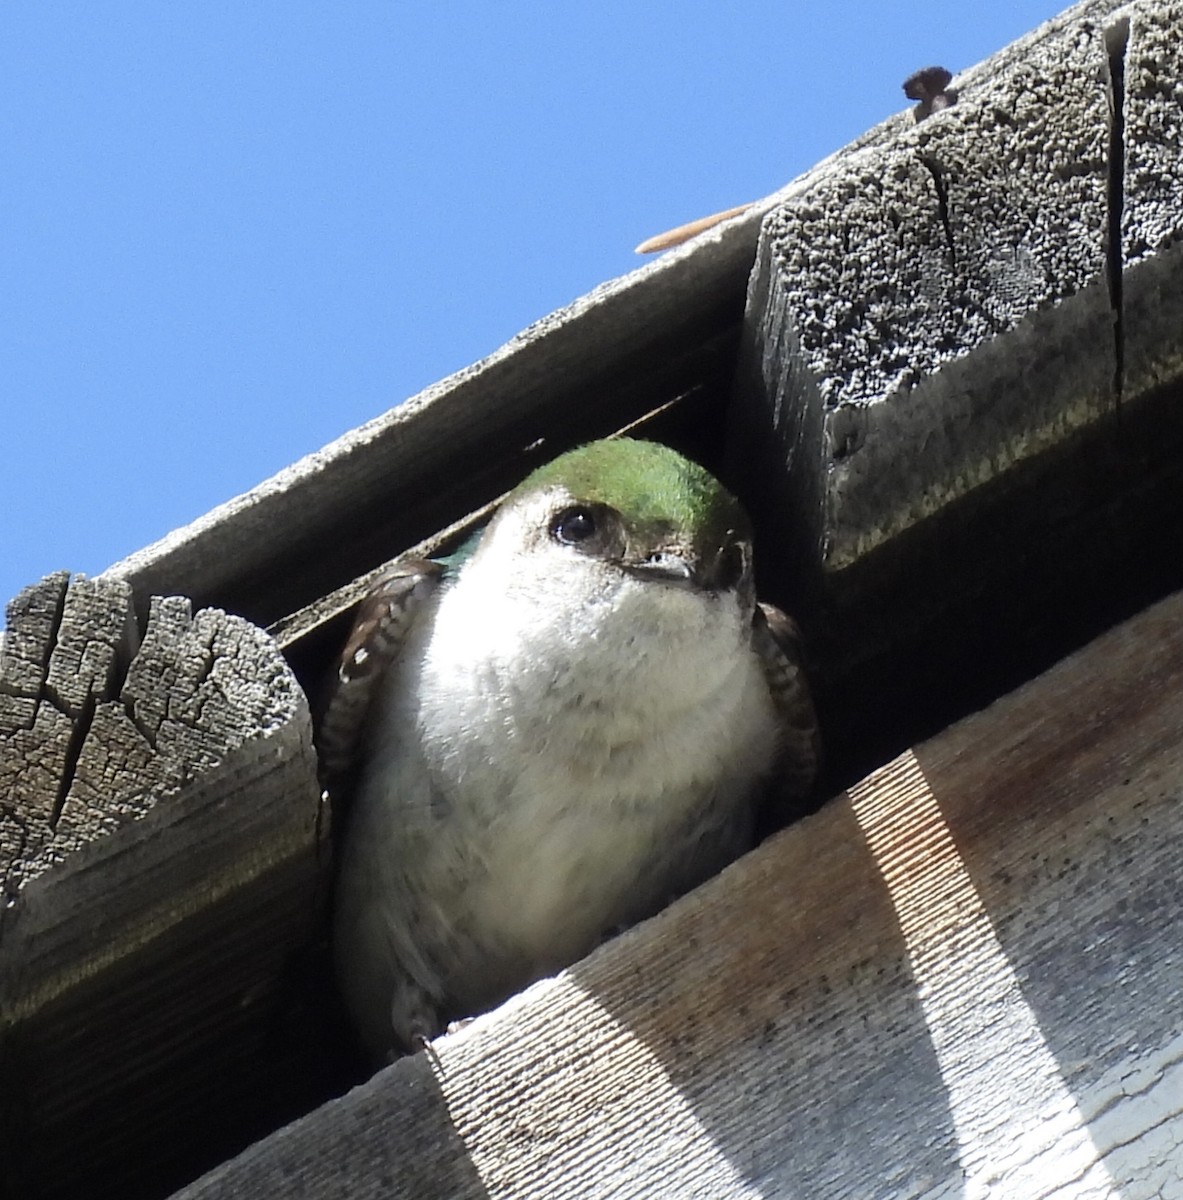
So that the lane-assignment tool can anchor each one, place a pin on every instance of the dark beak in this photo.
(714, 571)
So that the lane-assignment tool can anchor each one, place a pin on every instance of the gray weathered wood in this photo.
(935, 311)
(960, 978)
(961, 424)
(162, 855)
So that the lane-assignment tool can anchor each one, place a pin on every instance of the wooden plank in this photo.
(882, 292)
(961, 977)
(958, 400)
(162, 854)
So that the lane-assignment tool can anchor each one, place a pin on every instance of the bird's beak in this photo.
(667, 565)
(714, 570)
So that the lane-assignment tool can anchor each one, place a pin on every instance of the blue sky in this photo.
(232, 231)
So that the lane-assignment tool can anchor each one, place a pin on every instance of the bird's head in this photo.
(623, 509)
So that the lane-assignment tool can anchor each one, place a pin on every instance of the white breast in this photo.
(563, 748)
(591, 732)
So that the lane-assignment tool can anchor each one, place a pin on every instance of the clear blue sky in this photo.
(232, 231)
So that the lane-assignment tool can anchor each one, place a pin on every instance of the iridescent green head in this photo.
(648, 483)
(646, 509)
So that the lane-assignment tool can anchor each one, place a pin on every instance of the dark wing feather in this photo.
(777, 641)
(384, 617)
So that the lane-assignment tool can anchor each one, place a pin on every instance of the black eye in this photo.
(573, 525)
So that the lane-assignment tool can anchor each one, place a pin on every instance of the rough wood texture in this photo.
(937, 310)
(960, 978)
(1149, 54)
(160, 834)
(960, 381)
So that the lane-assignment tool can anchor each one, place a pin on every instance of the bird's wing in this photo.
(384, 617)
(777, 641)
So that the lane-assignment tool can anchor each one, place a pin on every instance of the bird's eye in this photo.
(573, 525)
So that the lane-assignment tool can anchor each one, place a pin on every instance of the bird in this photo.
(552, 735)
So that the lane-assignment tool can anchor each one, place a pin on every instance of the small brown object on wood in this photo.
(931, 87)
(683, 233)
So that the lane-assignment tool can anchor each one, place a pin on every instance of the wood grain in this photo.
(936, 311)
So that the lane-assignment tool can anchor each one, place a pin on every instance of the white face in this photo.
(547, 600)
(545, 664)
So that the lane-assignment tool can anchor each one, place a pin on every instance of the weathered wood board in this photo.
(942, 307)
(161, 843)
(961, 978)
(958, 397)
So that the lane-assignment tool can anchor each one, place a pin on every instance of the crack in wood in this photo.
(209, 659)
(123, 649)
(938, 180)
(51, 696)
(1117, 40)
(143, 728)
(126, 650)
(14, 649)
(945, 211)
(79, 732)
(55, 627)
